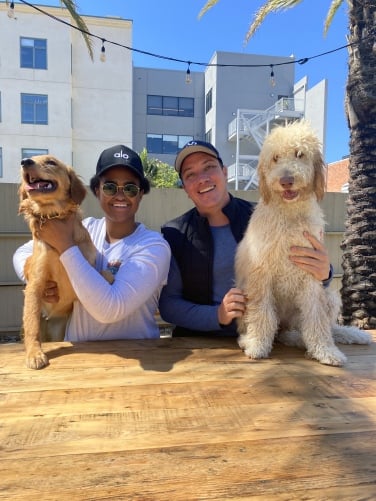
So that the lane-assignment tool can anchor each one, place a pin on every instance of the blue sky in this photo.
(171, 28)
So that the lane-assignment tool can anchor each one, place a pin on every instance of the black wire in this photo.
(189, 62)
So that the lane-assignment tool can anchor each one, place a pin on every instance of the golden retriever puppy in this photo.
(284, 299)
(49, 189)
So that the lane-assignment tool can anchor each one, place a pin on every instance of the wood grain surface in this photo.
(186, 419)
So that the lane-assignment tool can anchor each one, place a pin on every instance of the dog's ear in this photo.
(22, 193)
(262, 184)
(319, 180)
(77, 187)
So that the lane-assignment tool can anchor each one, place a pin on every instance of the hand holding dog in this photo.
(58, 233)
(232, 306)
(51, 292)
(313, 260)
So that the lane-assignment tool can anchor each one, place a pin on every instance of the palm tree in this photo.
(359, 243)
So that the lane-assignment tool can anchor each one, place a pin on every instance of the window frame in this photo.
(209, 100)
(173, 106)
(33, 56)
(163, 143)
(34, 108)
(32, 152)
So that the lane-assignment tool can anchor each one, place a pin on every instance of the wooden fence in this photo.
(158, 206)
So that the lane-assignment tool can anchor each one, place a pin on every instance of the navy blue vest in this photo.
(191, 243)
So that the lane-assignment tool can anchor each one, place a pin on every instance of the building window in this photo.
(154, 106)
(1, 161)
(209, 100)
(33, 53)
(168, 144)
(34, 109)
(170, 106)
(208, 136)
(32, 152)
(186, 107)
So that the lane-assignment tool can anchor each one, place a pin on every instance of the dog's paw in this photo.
(328, 356)
(350, 335)
(36, 359)
(253, 348)
(107, 275)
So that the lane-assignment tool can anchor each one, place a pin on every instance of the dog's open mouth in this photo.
(290, 194)
(41, 186)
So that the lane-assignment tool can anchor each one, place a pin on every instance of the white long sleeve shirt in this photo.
(126, 308)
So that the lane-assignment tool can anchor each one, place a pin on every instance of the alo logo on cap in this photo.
(121, 155)
(191, 143)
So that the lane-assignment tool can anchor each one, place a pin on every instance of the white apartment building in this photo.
(55, 99)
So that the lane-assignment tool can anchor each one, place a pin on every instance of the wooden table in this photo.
(186, 419)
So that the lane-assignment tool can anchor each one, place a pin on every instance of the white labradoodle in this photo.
(282, 298)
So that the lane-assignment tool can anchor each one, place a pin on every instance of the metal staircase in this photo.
(248, 130)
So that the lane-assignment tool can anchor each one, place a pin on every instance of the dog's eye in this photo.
(275, 158)
(52, 162)
(299, 154)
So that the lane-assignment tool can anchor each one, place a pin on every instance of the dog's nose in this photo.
(286, 181)
(27, 161)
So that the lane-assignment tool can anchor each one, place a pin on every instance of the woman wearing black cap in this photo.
(137, 257)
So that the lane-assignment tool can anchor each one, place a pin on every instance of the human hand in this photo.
(58, 233)
(51, 292)
(313, 260)
(233, 306)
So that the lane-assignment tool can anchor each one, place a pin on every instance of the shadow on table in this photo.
(153, 354)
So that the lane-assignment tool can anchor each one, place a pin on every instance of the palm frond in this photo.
(72, 8)
(269, 7)
(334, 6)
(209, 4)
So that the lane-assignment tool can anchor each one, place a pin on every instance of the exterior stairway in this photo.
(248, 130)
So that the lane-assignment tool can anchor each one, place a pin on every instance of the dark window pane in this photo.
(154, 143)
(170, 144)
(170, 106)
(186, 107)
(154, 105)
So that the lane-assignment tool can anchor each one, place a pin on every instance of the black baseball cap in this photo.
(195, 147)
(121, 155)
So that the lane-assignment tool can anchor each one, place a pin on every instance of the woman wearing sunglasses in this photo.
(138, 258)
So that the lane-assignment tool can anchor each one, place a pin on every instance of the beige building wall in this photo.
(89, 102)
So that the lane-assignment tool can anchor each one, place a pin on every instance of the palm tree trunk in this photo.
(359, 244)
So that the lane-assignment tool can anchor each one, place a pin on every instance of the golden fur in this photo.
(49, 189)
(282, 298)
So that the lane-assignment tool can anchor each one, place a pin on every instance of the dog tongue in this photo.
(289, 194)
(40, 185)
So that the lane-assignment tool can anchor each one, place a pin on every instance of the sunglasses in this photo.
(129, 190)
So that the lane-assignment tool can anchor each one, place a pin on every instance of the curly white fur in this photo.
(282, 298)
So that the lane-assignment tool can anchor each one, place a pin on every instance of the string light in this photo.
(272, 79)
(188, 78)
(102, 56)
(11, 11)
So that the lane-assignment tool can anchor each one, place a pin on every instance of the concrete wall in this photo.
(157, 207)
(148, 81)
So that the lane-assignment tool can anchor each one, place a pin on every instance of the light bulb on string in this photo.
(11, 11)
(188, 78)
(272, 79)
(102, 57)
